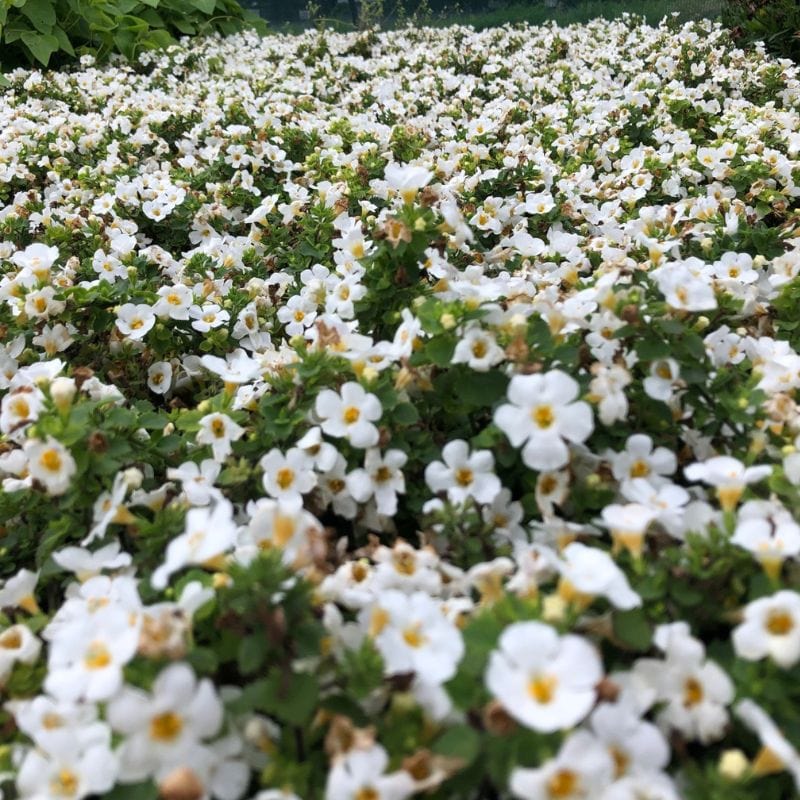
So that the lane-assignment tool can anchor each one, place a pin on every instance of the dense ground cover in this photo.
(402, 413)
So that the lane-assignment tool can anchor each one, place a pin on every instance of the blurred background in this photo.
(290, 16)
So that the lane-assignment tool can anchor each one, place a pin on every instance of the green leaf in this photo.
(632, 628)
(405, 414)
(460, 741)
(290, 697)
(252, 653)
(41, 45)
(206, 6)
(481, 388)
(134, 791)
(440, 350)
(41, 13)
(63, 40)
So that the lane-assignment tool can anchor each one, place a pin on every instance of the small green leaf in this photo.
(206, 6)
(460, 741)
(632, 628)
(440, 350)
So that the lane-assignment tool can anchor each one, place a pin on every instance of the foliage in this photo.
(776, 23)
(49, 32)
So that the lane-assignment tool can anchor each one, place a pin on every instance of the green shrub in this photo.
(774, 22)
(48, 32)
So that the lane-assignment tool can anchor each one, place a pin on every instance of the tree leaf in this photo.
(41, 13)
(41, 45)
(206, 6)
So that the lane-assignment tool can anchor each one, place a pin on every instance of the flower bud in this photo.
(62, 390)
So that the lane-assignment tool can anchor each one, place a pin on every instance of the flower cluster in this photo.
(402, 414)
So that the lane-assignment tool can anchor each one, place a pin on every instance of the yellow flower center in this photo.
(779, 623)
(285, 477)
(543, 416)
(382, 474)
(378, 620)
(282, 530)
(479, 348)
(367, 793)
(542, 688)
(692, 692)
(166, 727)
(351, 415)
(51, 721)
(21, 408)
(405, 563)
(621, 761)
(65, 784)
(50, 460)
(564, 783)
(640, 469)
(97, 656)
(11, 640)
(136, 324)
(413, 637)
(218, 428)
(464, 476)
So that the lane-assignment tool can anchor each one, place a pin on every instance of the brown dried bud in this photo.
(419, 766)
(607, 690)
(630, 314)
(517, 349)
(97, 442)
(81, 375)
(497, 720)
(428, 196)
(181, 784)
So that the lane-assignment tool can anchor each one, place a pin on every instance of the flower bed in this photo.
(401, 414)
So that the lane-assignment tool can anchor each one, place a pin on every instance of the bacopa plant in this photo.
(418, 417)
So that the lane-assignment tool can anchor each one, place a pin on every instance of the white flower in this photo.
(581, 770)
(17, 643)
(771, 627)
(728, 476)
(86, 564)
(541, 415)
(288, 477)
(349, 413)
(637, 746)
(464, 475)
(159, 377)
(695, 690)
(545, 681)
(478, 350)
(198, 480)
(412, 634)
(51, 464)
(769, 532)
(160, 727)
(207, 535)
(361, 775)
(628, 524)
(407, 179)
(663, 376)
(135, 321)
(380, 478)
(590, 572)
(86, 661)
(640, 460)
(777, 753)
(73, 770)
(219, 430)
(36, 257)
